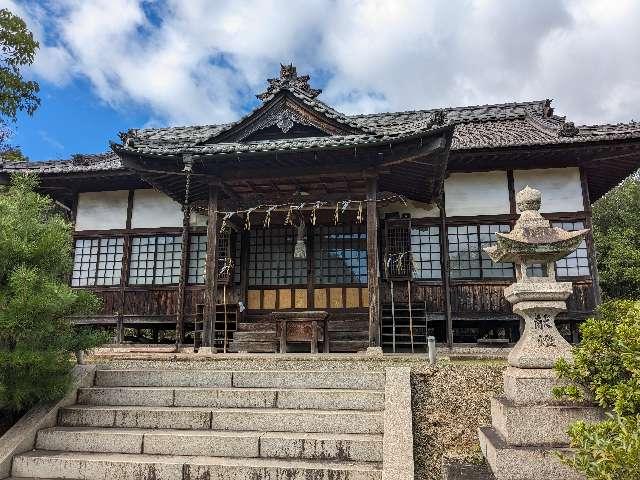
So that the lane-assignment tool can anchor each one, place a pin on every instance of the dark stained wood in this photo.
(244, 265)
(593, 259)
(444, 262)
(512, 193)
(126, 253)
(373, 267)
(211, 269)
(481, 297)
(184, 263)
(310, 267)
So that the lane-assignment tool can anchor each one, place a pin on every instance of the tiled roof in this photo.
(100, 162)
(483, 126)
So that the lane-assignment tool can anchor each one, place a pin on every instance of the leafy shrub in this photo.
(607, 367)
(37, 338)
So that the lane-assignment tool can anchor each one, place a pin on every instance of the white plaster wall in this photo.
(477, 193)
(152, 209)
(561, 187)
(102, 210)
(415, 209)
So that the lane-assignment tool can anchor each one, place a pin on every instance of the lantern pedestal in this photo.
(528, 425)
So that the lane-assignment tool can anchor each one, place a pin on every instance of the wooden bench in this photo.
(305, 326)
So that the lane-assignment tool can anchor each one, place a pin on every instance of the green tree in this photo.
(616, 231)
(606, 366)
(37, 339)
(17, 50)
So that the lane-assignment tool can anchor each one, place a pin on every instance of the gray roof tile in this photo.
(480, 126)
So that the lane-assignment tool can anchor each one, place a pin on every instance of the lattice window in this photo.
(466, 257)
(155, 260)
(197, 259)
(491, 269)
(464, 251)
(340, 254)
(397, 245)
(271, 259)
(425, 252)
(198, 255)
(576, 264)
(97, 261)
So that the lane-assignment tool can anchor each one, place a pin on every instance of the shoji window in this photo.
(97, 261)
(155, 260)
(425, 252)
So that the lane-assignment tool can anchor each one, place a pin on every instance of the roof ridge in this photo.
(449, 109)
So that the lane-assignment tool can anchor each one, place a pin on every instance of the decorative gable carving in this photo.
(289, 101)
(288, 79)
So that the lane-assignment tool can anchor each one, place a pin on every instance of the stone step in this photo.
(163, 378)
(118, 466)
(356, 380)
(285, 420)
(323, 399)
(229, 419)
(352, 380)
(366, 448)
(180, 418)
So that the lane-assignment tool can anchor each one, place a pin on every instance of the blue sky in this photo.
(108, 65)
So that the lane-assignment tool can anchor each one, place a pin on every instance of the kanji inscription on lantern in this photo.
(542, 321)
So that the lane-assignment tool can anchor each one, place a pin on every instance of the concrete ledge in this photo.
(22, 436)
(398, 426)
(523, 463)
(538, 424)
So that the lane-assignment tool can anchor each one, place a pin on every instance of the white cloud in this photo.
(199, 61)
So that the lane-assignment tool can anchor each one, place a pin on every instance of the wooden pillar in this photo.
(513, 209)
(373, 262)
(244, 265)
(444, 261)
(211, 269)
(591, 249)
(182, 281)
(124, 276)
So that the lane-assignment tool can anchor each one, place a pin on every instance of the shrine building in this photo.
(372, 226)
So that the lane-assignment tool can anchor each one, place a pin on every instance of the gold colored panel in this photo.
(320, 298)
(335, 296)
(253, 300)
(301, 298)
(269, 300)
(365, 296)
(353, 297)
(284, 298)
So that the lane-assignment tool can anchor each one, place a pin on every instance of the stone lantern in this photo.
(528, 423)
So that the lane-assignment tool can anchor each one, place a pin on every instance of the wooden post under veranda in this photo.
(373, 267)
(211, 269)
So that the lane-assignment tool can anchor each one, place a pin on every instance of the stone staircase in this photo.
(214, 425)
